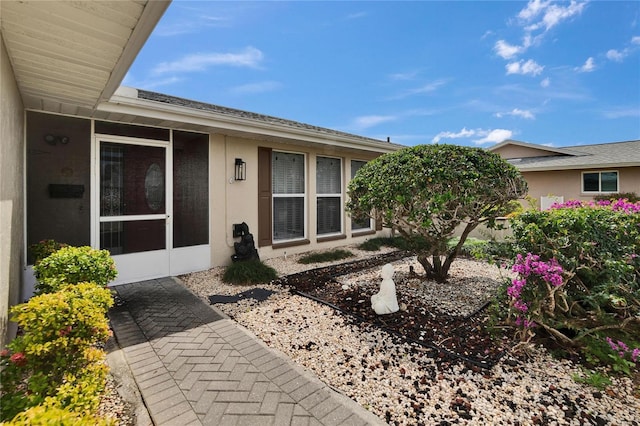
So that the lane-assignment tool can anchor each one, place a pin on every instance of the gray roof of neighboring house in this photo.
(615, 154)
(232, 112)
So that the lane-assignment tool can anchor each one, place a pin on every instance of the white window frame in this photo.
(338, 195)
(599, 172)
(356, 230)
(292, 195)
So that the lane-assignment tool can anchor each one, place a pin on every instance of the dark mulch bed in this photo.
(448, 337)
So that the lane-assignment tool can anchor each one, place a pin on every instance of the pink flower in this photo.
(521, 306)
(4, 353)
(18, 359)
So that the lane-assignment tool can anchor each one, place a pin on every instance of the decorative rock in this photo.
(385, 301)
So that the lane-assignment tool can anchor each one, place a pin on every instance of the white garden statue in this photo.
(385, 301)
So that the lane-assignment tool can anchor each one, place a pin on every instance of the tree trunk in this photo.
(438, 270)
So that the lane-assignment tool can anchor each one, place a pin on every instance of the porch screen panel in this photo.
(288, 189)
(58, 174)
(329, 195)
(132, 182)
(190, 189)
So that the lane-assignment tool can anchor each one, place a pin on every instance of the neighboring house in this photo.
(576, 172)
(160, 181)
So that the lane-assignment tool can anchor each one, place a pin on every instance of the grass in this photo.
(327, 256)
(593, 378)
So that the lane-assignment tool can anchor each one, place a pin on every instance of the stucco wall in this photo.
(568, 183)
(242, 196)
(11, 195)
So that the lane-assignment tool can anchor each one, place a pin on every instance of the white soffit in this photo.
(69, 56)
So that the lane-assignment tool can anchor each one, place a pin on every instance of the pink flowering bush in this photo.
(531, 293)
(578, 276)
(620, 205)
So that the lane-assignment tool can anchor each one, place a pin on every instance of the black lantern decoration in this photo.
(241, 169)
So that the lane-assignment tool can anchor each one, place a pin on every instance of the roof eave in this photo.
(122, 103)
(577, 167)
(150, 17)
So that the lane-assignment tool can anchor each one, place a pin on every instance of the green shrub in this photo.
(56, 349)
(71, 265)
(596, 250)
(472, 247)
(631, 197)
(43, 249)
(42, 415)
(327, 256)
(249, 272)
(374, 244)
(81, 392)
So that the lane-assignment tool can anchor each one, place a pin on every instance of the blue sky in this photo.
(462, 72)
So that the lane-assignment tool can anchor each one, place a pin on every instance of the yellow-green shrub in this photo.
(56, 349)
(42, 415)
(72, 265)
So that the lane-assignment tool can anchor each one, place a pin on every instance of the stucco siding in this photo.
(568, 183)
(242, 196)
(11, 194)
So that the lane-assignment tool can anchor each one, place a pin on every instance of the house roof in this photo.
(150, 108)
(69, 56)
(606, 155)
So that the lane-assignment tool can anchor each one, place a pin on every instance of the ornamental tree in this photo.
(425, 192)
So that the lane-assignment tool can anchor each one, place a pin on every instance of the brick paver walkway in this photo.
(194, 366)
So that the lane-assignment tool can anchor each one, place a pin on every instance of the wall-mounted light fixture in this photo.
(241, 169)
(54, 139)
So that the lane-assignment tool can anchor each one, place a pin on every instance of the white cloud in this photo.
(521, 67)
(533, 9)
(357, 15)
(616, 55)
(426, 88)
(368, 121)
(517, 112)
(249, 57)
(130, 80)
(506, 50)
(262, 87)
(493, 136)
(588, 66)
(545, 83)
(635, 40)
(404, 75)
(464, 133)
(538, 17)
(622, 113)
(485, 135)
(193, 25)
(552, 13)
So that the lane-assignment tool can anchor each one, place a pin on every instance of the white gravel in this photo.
(402, 384)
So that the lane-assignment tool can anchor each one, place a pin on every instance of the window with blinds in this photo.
(358, 224)
(329, 195)
(288, 192)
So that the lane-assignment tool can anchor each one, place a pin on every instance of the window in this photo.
(600, 182)
(329, 195)
(288, 192)
(364, 223)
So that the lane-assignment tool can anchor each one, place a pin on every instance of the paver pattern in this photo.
(195, 366)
